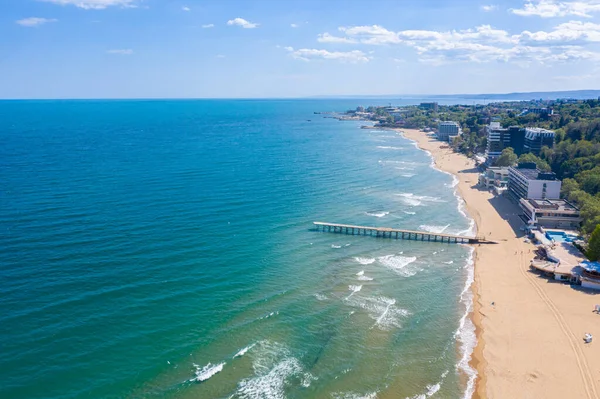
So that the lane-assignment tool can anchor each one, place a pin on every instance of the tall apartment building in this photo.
(448, 130)
(520, 139)
(536, 138)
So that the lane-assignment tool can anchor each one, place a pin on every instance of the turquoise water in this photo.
(560, 236)
(163, 249)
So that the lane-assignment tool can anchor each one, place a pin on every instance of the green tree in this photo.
(593, 252)
(540, 163)
(507, 157)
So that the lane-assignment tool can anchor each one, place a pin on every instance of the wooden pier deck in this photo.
(385, 232)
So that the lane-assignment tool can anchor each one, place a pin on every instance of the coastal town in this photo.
(511, 164)
(527, 173)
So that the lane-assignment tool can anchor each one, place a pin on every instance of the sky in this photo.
(294, 48)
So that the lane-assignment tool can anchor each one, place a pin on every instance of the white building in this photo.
(448, 130)
(525, 181)
(497, 140)
(494, 177)
(551, 213)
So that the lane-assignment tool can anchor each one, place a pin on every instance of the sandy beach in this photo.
(530, 329)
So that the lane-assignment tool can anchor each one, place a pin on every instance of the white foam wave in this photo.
(382, 310)
(321, 297)
(378, 214)
(364, 261)
(365, 278)
(410, 213)
(385, 147)
(433, 229)
(407, 175)
(274, 369)
(204, 373)
(336, 246)
(269, 315)
(360, 273)
(449, 262)
(466, 330)
(417, 200)
(353, 395)
(431, 389)
(243, 351)
(354, 289)
(399, 264)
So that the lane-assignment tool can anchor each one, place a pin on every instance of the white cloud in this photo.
(120, 51)
(305, 54)
(482, 44)
(558, 8)
(220, 56)
(327, 38)
(294, 25)
(206, 26)
(186, 9)
(489, 8)
(34, 21)
(242, 22)
(94, 4)
(572, 32)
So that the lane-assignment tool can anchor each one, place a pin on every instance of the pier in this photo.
(398, 234)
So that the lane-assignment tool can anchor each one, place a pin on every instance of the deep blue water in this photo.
(145, 244)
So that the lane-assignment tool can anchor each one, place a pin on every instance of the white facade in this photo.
(448, 130)
(525, 183)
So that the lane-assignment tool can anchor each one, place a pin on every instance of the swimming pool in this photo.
(561, 236)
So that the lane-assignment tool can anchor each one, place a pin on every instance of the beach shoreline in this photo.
(528, 328)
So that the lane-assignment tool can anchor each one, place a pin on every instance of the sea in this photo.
(166, 249)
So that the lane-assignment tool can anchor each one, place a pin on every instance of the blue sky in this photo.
(293, 48)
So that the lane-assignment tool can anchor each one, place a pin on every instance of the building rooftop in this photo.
(557, 204)
(536, 174)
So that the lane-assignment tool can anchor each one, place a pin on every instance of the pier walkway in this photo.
(385, 232)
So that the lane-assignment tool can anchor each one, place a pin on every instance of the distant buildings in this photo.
(525, 181)
(521, 139)
(448, 130)
(538, 111)
(429, 106)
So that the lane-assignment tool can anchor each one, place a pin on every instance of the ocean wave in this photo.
(364, 261)
(382, 310)
(433, 229)
(449, 262)
(431, 389)
(365, 278)
(417, 200)
(410, 213)
(360, 273)
(354, 289)
(269, 315)
(465, 333)
(321, 297)
(206, 372)
(275, 369)
(243, 351)
(399, 264)
(353, 395)
(385, 147)
(378, 214)
(407, 175)
(335, 246)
